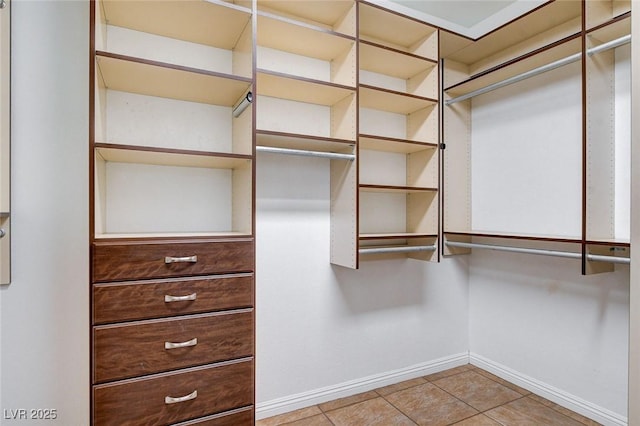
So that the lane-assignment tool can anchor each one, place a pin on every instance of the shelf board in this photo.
(395, 236)
(392, 62)
(381, 143)
(524, 30)
(304, 142)
(170, 235)
(128, 74)
(325, 12)
(396, 189)
(284, 86)
(520, 65)
(610, 31)
(616, 242)
(170, 157)
(392, 101)
(213, 23)
(283, 34)
(377, 24)
(530, 237)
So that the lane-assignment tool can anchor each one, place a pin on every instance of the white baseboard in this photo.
(317, 396)
(560, 397)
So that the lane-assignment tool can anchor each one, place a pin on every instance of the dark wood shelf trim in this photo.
(400, 52)
(303, 136)
(516, 237)
(608, 243)
(172, 240)
(612, 21)
(392, 236)
(405, 141)
(395, 92)
(398, 188)
(305, 79)
(98, 145)
(100, 53)
(304, 25)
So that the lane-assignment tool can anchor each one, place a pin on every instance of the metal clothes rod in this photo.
(305, 153)
(544, 68)
(610, 45)
(542, 252)
(404, 249)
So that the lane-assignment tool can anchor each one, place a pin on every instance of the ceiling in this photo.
(472, 18)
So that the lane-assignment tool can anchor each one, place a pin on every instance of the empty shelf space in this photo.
(170, 157)
(303, 142)
(396, 189)
(213, 23)
(289, 36)
(403, 146)
(336, 15)
(128, 74)
(279, 85)
(392, 101)
(380, 26)
(453, 235)
(392, 62)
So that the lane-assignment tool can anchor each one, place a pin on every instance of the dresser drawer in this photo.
(239, 417)
(120, 261)
(173, 397)
(147, 347)
(135, 300)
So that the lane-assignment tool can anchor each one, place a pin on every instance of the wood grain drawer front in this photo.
(240, 417)
(121, 261)
(136, 300)
(173, 397)
(147, 347)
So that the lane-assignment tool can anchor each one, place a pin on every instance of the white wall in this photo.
(540, 318)
(321, 326)
(45, 311)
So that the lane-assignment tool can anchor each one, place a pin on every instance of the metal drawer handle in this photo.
(175, 400)
(172, 345)
(168, 298)
(186, 259)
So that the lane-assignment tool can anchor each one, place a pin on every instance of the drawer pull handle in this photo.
(175, 400)
(185, 259)
(172, 345)
(168, 298)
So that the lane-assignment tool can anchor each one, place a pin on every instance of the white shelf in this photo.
(379, 143)
(335, 15)
(303, 142)
(132, 75)
(383, 60)
(392, 101)
(289, 87)
(214, 23)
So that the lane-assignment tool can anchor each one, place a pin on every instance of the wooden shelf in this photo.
(611, 31)
(380, 26)
(599, 12)
(403, 146)
(303, 142)
(165, 235)
(294, 88)
(396, 189)
(529, 237)
(392, 101)
(555, 21)
(331, 14)
(289, 36)
(127, 74)
(213, 23)
(395, 236)
(170, 157)
(392, 62)
(544, 56)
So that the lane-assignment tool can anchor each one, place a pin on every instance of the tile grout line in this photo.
(405, 414)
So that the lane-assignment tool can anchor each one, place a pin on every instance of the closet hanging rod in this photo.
(544, 68)
(555, 253)
(610, 45)
(402, 249)
(306, 153)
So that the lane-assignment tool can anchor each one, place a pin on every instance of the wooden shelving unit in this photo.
(173, 166)
(398, 86)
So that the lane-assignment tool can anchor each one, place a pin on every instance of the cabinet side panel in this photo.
(457, 167)
(600, 146)
(344, 213)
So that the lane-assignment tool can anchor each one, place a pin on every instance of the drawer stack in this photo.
(173, 337)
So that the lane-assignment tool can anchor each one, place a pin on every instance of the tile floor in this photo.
(465, 396)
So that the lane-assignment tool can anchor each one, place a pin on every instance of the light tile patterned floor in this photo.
(463, 396)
